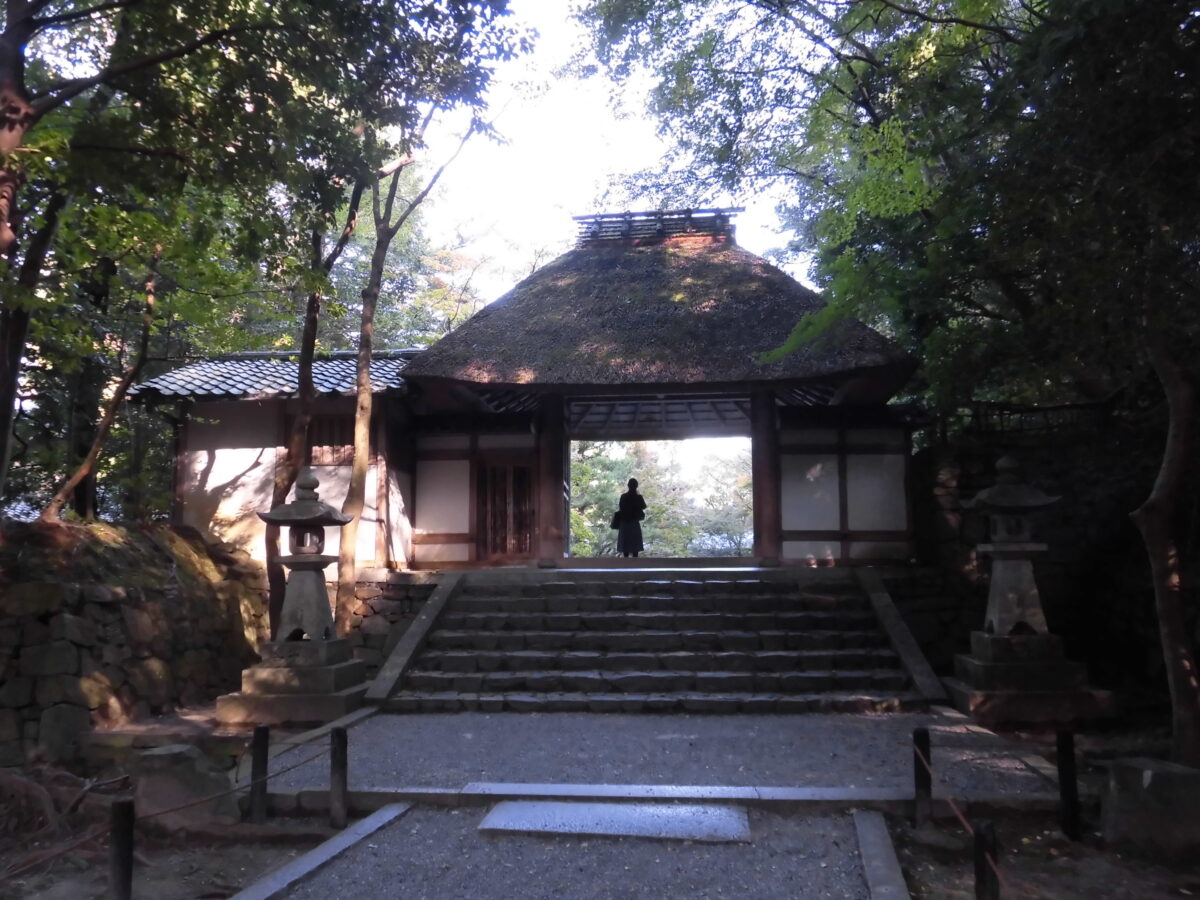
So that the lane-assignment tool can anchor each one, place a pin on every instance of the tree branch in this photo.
(1002, 33)
(76, 15)
(50, 515)
(139, 151)
(53, 97)
(417, 200)
(348, 228)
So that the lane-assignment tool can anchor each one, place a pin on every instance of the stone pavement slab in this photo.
(277, 882)
(880, 865)
(678, 821)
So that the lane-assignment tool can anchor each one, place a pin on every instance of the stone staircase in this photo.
(781, 641)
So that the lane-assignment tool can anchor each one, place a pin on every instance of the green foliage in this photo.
(1005, 188)
(424, 293)
(223, 137)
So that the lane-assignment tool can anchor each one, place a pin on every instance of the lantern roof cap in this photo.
(307, 508)
(1010, 494)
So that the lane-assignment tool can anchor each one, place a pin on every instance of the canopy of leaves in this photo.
(1005, 186)
(222, 138)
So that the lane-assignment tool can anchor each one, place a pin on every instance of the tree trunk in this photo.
(296, 447)
(50, 515)
(385, 232)
(86, 399)
(356, 495)
(297, 441)
(1155, 519)
(17, 116)
(16, 313)
(347, 573)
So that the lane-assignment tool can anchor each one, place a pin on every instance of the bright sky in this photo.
(513, 203)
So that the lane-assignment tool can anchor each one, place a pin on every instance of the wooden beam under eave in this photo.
(765, 472)
(552, 471)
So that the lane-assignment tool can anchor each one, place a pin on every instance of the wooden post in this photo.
(551, 512)
(922, 777)
(1068, 785)
(338, 766)
(120, 849)
(765, 472)
(987, 879)
(258, 773)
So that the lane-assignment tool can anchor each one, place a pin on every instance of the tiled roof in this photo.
(262, 375)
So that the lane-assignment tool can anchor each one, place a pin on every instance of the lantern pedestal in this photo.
(297, 682)
(1023, 679)
(1015, 673)
(307, 676)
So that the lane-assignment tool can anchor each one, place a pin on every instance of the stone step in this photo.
(716, 602)
(655, 641)
(685, 660)
(656, 681)
(659, 621)
(303, 679)
(676, 586)
(288, 709)
(683, 702)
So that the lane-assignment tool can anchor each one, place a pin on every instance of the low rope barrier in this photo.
(1003, 881)
(97, 832)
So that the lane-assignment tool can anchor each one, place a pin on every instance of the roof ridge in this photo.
(655, 225)
(397, 353)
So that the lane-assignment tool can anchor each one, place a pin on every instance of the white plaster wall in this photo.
(228, 470)
(875, 495)
(399, 515)
(443, 496)
(809, 489)
(432, 553)
(335, 483)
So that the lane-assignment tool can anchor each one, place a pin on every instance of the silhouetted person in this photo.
(630, 512)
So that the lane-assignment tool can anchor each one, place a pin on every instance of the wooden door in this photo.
(505, 508)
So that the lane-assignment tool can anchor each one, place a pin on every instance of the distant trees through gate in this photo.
(698, 494)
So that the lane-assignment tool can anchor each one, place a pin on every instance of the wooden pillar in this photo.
(764, 468)
(552, 471)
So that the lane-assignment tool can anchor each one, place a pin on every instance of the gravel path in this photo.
(449, 750)
(437, 853)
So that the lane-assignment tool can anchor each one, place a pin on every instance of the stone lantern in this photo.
(1015, 673)
(305, 602)
(301, 681)
(1014, 606)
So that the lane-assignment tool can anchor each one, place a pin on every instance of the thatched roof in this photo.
(686, 310)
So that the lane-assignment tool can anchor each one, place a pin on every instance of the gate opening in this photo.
(699, 496)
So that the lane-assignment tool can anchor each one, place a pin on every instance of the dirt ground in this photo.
(167, 869)
(1036, 861)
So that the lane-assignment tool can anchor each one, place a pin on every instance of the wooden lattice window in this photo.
(330, 440)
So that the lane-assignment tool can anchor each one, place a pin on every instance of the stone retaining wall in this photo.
(74, 655)
(939, 615)
(384, 611)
